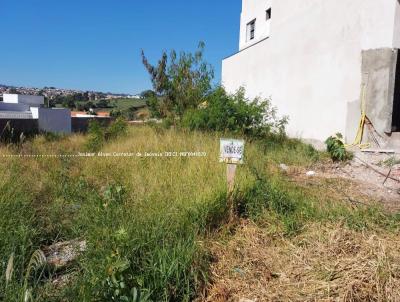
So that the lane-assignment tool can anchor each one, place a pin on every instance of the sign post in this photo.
(231, 153)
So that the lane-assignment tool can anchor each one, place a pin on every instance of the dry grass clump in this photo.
(325, 263)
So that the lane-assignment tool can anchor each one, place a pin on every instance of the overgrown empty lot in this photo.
(156, 230)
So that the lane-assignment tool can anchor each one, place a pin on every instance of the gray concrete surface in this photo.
(379, 73)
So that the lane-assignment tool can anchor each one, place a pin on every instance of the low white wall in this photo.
(10, 98)
(55, 120)
(33, 100)
(311, 64)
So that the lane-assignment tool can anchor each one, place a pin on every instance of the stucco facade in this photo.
(308, 59)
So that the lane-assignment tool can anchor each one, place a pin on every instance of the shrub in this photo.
(235, 113)
(336, 148)
(116, 129)
(98, 134)
(95, 136)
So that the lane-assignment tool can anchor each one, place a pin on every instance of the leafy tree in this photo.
(147, 94)
(89, 105)
(182, 81)
(86, 96)
(69, 102)
(80, 107)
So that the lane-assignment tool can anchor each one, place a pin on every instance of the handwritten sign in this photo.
(231, 151)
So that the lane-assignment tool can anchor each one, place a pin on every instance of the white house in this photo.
(320, 62)
(17, 106)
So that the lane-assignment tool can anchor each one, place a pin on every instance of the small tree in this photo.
(182, 82)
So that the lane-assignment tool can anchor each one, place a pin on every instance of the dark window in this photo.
(269, 14)
(251, 30)
(396, 100)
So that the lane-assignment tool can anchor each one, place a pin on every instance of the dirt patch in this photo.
(325, 263)
(368, 178)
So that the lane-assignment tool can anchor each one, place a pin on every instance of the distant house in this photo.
(320, 61)
(30, 107)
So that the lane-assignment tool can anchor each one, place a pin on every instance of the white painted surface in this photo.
(254, 9)
(231, 151)
(35, 112)
(32, 100)
(55, 120)
(311, 64)
(396, 32)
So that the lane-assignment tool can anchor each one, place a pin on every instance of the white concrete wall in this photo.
(35, 112)
(311, 64)
(254, 9)
(33, 100)
(396, 32)
(10, 98)
(55, 120)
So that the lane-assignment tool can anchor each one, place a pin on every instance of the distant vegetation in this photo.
(129, 108)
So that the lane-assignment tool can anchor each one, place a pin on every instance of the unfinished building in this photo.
(324, 63)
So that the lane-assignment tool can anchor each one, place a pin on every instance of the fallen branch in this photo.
(387, 176)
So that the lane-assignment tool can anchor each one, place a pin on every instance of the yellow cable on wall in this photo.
(360, 132)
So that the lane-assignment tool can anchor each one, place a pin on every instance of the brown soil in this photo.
(365, 177)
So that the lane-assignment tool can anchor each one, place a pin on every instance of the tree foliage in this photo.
(181, 81)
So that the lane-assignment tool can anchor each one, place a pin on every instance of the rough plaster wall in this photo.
(311, 64)
(379, 70)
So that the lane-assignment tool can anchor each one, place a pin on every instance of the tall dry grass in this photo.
(143, 217)
(147, 220)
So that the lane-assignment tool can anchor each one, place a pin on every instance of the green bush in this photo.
(235, 113)
(98, 135)
(116, 129)
(95, 136)
(336, 148)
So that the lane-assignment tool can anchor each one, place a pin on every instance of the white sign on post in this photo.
(231, 151)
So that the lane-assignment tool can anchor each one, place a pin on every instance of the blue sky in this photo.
(95, 44)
